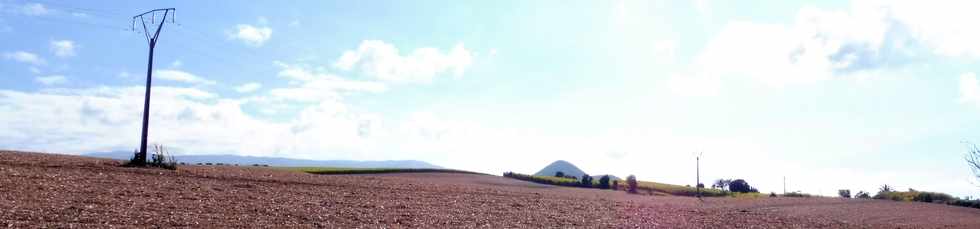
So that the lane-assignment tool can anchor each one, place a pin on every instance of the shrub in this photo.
(740, 185)
(844, 193)
(604, 182)
(559, 174)
(561, 181)
(721, 183)
(615, 185)
(862, 195)
(160, 158)
(631, 184)
(932, 197)
(772, 194)
(796, 194)
(586, 181)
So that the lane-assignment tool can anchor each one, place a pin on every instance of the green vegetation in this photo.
(862, 195)
(552, 180)
(161, 158)
(631, 184)
(796, 194)
(651, 188)
(341, 171)
(676, 190)
(844, 193)
(887, 193)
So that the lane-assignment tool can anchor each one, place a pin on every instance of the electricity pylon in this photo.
(140, 158)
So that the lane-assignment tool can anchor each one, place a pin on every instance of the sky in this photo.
(828, 94)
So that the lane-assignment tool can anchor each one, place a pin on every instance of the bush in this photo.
(932, 197)
(160, 158)
(862, 195)
(772, 194)
(721, 183)
(586, 181)
(796, 194)
(560, 181)
(740, 185)
(615, 185)
(559, 174)
(631, 184)
(844, 193)
(604, 182)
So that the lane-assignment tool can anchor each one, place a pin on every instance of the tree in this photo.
(740, 185)
(862, 195)
(615, 184)
(604, 182)
(885, 188)
(586, 181)
(721, 183)
(631, 184)
(559, 174)
(973, 160)
(700, 185)
(844, 193)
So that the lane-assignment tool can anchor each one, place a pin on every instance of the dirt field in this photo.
(70, 191)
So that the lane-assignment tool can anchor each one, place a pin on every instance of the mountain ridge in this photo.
(277, 161)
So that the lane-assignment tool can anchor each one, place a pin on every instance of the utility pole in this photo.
(140, 158)
(697, 166)
(784, 185)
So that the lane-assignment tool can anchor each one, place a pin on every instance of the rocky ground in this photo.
(39, 190)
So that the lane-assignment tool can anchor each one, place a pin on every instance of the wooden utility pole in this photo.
(140, 158)
(697, 166)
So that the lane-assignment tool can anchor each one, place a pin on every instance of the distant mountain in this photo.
(560, 165)
(277, 161)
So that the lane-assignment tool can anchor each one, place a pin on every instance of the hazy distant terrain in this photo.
(277, 161)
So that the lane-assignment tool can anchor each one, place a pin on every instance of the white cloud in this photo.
(819, 45)
(181, 76)
(251, 35)
(51, 80)
(248, 87)
(63, 48)
(383, 61)
(316, 86)
(665, 51)
(969, 88)
(34, 9)
(703, 7)
(176, 64)
(24, 57)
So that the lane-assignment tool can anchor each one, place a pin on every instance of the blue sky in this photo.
(830, 94)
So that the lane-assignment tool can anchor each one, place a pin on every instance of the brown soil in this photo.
(70, 191)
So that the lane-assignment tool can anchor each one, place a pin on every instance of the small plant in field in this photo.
(161, 158)
(772, 194)
(844, 193)
(631, 184)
